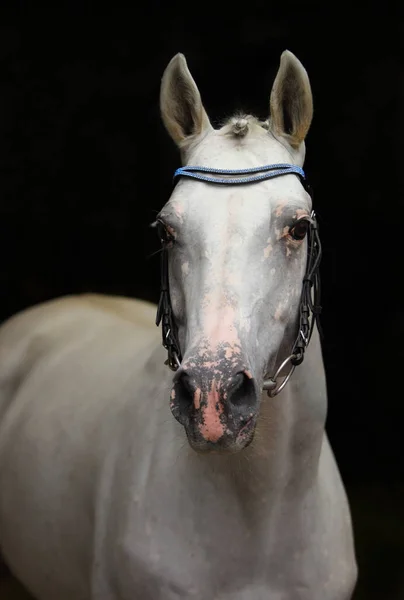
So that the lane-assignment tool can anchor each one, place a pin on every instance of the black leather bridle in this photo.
(309, 309)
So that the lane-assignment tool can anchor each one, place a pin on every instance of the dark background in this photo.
(85, 164)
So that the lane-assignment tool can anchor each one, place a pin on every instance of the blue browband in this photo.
(267, 172)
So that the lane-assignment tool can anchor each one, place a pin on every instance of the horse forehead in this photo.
(244, 207)
(220, 211)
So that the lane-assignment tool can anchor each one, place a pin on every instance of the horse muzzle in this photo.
(218, 408)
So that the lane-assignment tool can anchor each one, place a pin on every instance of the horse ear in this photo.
(181, 107)
(291, 103)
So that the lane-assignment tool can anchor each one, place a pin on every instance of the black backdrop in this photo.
(85, 163)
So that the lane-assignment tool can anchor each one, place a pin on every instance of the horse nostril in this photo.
(188, 384)
(241, 390)
(235, 383)
(184, 389)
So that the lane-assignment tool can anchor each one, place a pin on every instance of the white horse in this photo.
(101, 495)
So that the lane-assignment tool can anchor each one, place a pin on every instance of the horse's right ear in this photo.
(181, 107)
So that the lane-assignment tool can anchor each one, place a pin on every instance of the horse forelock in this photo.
(241, 124)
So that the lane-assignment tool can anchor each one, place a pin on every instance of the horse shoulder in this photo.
(47, 327)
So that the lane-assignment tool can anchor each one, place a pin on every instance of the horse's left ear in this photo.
(291, 103)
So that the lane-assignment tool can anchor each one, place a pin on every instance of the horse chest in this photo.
(197, 556)
(193, 555)
(200, 541)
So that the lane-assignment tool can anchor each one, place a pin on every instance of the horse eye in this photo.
(299, 230)
(165, 237)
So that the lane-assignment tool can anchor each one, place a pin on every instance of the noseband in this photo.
(309, 309)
